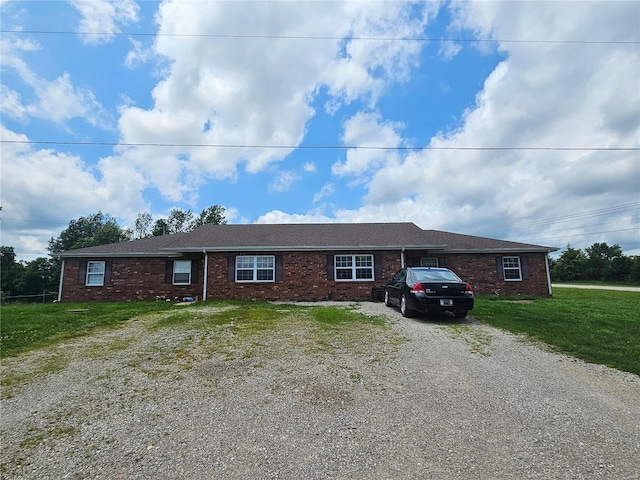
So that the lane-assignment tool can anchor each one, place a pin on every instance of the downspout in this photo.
(206, 271)
(402, 258)
(61, 280)
(546, 264)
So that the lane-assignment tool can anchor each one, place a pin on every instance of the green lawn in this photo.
(25, 327)
(598, 326)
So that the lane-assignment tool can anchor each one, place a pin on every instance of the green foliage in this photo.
(89, 231)
(571, 265)
(599, 326)
(601, 262)
(213, 215)
(181, 221)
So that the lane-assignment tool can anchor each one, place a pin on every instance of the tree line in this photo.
(599, 263)
(40, 276)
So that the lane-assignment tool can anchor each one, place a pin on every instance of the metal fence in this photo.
(44, 297)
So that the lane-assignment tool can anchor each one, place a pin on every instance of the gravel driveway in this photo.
(453, 400)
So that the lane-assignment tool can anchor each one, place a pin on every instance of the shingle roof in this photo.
(305, 236)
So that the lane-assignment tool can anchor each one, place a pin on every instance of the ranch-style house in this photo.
(295, 262)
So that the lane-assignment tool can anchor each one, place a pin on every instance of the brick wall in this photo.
(131, 279)
(481, 272)
(304, 277)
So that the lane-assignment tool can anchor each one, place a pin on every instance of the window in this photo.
(182, 272)
(429, 262)
(353, 267)
(255, 268)
(95, 274)
(511, 268)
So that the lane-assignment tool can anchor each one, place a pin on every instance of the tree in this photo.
(10, 271)
(570, 266)
(89, 231)
(599, 258)
(211, 215)
(181, 221)
(40, 275)
(143, 225)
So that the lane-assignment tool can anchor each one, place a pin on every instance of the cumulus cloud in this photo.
(58, 187)
(259, 91)
(576, 95)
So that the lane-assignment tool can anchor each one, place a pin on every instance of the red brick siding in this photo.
(131, 279)
(304, 277)
(481, 272)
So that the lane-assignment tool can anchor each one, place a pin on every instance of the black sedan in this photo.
(421, 289)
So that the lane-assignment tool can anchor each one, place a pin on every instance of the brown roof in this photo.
(305, 236)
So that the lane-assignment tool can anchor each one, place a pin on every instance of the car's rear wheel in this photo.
(387, 302)
(404, 309)
(460, 314)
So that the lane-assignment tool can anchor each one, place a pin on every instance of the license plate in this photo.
(446, 303)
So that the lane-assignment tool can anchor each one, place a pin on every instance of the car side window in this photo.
(402, 276)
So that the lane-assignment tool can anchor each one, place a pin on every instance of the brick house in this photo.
(295, 262)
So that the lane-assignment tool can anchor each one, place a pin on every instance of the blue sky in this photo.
(512, 120)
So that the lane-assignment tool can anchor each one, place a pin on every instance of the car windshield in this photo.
(429, 275)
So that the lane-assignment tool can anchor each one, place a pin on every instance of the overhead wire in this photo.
(321, 37)
(316, 147)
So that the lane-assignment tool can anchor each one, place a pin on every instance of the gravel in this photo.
(433, 399)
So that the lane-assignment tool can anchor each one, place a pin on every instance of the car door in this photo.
(394, 287)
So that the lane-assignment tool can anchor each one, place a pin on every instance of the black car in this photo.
(422, 289)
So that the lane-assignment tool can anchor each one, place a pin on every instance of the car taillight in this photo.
(417, 287)
(468, 290)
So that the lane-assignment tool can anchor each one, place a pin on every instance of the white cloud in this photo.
(56, 100)
(326, 191)
(57, 188)
(309, 167)
(259, 91)
(367, 129)
(283, 181)
(542, 95)
(100, 18)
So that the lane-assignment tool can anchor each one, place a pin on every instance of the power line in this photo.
(320, 37)
(574, 216)
(319, 147)
(586, 234)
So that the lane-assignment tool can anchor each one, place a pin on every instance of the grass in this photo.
(598, 326)
(28, 327)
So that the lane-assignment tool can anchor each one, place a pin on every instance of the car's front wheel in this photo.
(404, 309)
(387, 301)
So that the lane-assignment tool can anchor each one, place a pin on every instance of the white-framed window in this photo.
(429, 262)
(182, 272)
(95, 274)
(511, 268)
(256, 268)
(353, 267)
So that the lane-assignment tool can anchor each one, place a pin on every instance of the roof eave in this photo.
(504, 250)
(303, 248)
(116, 255)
